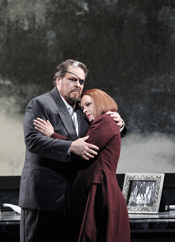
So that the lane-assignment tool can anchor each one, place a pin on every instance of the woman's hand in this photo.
(44, 127)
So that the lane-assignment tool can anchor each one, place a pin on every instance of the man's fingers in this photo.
(92, 152)
(85, 157)
(118, 120)
(82, 148)
(89, 155)
(114, 114)
(120, 123)
(85, 138)
(93, 147)
(109, 112)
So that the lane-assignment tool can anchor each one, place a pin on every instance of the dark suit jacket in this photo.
(47, 167)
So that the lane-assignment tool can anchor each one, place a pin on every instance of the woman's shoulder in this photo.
(105, 123)
(103, 119)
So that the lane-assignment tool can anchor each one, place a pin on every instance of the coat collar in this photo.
(64, 114)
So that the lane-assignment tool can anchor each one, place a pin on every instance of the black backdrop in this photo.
(128, 46)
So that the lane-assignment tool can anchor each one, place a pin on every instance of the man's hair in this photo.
(62, 68)
(103, 102)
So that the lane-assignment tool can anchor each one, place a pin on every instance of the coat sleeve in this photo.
(123, 132)
(102, 130)
(58, 136)
(36, 142)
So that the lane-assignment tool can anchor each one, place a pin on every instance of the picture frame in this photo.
(143, 191)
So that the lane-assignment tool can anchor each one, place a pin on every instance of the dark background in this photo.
(127, 45)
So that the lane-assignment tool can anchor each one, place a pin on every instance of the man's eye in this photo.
(73, 79)
(88, 104)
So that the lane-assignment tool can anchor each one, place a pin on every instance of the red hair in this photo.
(103, 102)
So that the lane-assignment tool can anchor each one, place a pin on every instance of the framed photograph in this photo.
(143, 192)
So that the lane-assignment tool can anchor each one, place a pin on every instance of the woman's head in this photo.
(95, 102)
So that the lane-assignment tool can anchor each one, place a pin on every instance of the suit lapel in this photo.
(64, 114)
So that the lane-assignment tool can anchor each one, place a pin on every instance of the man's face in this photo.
(69, 86)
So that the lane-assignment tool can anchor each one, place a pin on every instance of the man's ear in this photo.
(58, 80)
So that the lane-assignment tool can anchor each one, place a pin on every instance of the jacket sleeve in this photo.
(36, 142)
(123, 132)
(102, 130)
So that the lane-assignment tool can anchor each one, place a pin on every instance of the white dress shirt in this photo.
(73, 115)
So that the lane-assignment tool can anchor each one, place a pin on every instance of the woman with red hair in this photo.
(95, 203)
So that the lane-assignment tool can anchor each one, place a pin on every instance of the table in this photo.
(153, 227)
(144, 227)
(9, 226)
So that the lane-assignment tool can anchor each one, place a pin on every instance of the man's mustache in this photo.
(76, 89)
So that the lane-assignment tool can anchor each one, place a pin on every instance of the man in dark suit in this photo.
(48, 169)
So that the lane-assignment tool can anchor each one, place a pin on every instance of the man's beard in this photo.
(72, 99)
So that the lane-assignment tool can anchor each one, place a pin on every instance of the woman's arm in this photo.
(58, 136)
(100, 131)
(46, 128)
(37, 143)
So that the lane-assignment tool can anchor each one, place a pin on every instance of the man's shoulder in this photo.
(43, 101)
(43, 98)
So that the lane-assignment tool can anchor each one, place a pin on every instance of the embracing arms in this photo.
(79, 147)
(57, 149)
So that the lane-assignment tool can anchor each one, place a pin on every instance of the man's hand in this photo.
(117, 118)
(81, 148)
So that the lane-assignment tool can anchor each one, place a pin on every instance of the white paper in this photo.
(16, 208)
